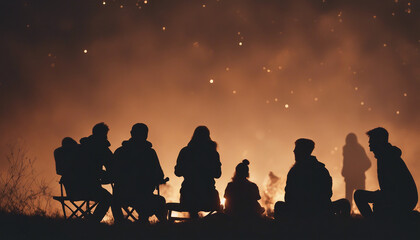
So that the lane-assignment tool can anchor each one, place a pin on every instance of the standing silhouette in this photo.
(137, 172)
(199, 164)
(308, 188)
(398, 192)
(242, 195)
(355, 164)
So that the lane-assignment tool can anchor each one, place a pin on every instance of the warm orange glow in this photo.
(318, 70)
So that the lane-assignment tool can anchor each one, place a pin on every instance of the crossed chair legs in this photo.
(78, 211)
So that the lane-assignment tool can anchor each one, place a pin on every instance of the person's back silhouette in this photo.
(355, 164)
(137, 172)
(309, 188)
(398, 192)
(69, 164)
(242, 195)
(199, 164)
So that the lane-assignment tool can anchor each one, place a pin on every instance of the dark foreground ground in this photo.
(214, 227)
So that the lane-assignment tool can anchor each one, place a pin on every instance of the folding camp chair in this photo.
(177, 207)
(130, 212)
(79, 208)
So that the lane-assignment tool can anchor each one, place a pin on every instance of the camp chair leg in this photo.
(90, 208)
(73, 207)
(170, 219)
(64, 209)
(130, 213)
(78, 209)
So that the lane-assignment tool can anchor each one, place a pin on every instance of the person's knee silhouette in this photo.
(362, 198)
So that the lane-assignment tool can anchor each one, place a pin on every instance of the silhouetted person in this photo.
(96, 150)
(137, 172)
(398, 192)
(242, 195)
(355, 164)
(67, 158)
(76, 177)
(199, 164)
(309, 188)
(96, 154)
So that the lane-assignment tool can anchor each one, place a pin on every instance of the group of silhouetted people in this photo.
(134, 172)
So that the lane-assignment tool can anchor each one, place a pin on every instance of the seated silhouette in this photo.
(137, 172)
(96, 155)
(68, 158)
(81, 170)
(398, 192)
(199, 164)
(355, 164)
(242, 195)
(308, 188)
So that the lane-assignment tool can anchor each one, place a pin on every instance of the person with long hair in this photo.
(242, 195)
(355, 164)
(199, 164)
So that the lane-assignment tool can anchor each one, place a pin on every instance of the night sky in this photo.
(259, 73)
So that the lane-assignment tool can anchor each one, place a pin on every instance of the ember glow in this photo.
(259, 74)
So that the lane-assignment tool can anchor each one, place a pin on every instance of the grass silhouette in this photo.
(17, 226)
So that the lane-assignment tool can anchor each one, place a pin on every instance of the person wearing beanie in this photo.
(242, 195)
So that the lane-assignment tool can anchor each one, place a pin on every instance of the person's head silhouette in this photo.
(201, 137)
(100, 130)
(242, 170)
(351, 139)
(201, 133)
(378, 139)
(139, 131)
(68, 141)
(303, 149)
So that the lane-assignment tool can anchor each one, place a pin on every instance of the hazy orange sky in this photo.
(259, 74)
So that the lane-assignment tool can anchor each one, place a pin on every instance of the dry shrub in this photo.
(22, 191)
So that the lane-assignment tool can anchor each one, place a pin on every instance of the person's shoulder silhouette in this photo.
(67, 157)
(355, 159)
(200, 151)
(136, 162)
(95, 149)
